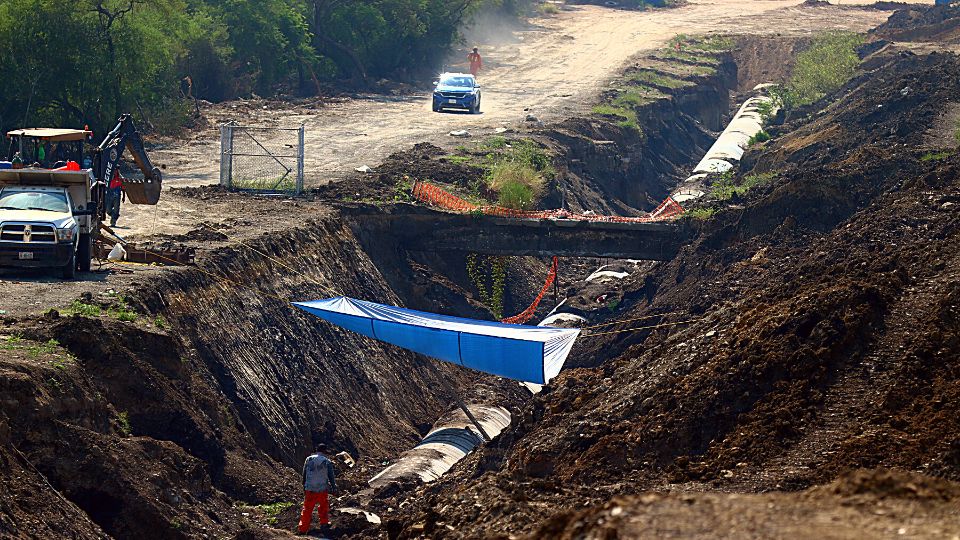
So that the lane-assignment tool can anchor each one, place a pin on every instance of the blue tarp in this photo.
(525, 353)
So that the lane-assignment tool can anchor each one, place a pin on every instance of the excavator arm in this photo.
(106, 159)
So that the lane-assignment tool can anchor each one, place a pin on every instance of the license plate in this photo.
(26, 255)
(451, 101)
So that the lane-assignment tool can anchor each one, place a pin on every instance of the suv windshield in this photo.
(34, 200)
(455, 80)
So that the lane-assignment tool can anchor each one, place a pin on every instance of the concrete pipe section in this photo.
(452, 438)
(729, 147)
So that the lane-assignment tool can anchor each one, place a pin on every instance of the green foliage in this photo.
(160, 322)
(548, 9)
(122, 314)
(74, 62)
(656, 78)
(726, 187)
(517, 184)
(278, 183)
(765, 110)
(518, 172)
(403, 191)
(624, 102)
(271, 511)
(830, 62)
(496, 142)
(488, 275)
(699, 213)
(123, 424)
(628, 117)
(11, 342)
(79, 307)
(759, 137)
(934, 156)
(34, 349)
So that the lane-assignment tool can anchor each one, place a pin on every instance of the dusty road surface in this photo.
(551, 69)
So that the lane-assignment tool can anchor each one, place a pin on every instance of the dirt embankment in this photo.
(824, 334)
(213, 396)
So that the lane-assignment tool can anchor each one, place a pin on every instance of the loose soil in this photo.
(822, 338)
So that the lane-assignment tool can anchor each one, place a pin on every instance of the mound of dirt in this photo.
(812, 515)
(820, 332)
(890, 484)
(939, 24)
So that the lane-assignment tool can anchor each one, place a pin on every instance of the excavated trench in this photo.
(157, 432)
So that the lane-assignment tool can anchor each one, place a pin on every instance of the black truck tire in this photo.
(70, 269)
(84, 253)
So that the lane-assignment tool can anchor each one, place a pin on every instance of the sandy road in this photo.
(551, 69)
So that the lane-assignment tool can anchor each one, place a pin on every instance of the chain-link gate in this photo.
(266, 159)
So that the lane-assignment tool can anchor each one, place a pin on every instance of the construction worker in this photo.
(113, 198)
(476, 62)
(319, 479)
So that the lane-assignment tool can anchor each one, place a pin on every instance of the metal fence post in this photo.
(226, 155)
(300, 152)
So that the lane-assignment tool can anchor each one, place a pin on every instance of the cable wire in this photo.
(642, 328)
(630, 320)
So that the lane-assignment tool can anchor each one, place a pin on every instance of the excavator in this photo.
(51, 208)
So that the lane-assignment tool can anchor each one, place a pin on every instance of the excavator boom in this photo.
(107, 157)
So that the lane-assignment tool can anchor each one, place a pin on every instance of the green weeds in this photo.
(79, 307)
(625, 103)
(519, 173)
(548, 9)
(934, 156)
(118, 309)
(827, 65)
(649, 76)
(123, 423)
(725, 188)
(271, 511)
(759, 137)
(34, 349)
(699, 213)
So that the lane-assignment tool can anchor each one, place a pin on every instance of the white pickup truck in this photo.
(45, 221)
(51, 208)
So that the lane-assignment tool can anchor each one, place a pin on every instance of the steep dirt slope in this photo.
(214, 394)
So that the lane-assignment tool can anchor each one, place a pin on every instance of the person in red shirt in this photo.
(476, 62)
(113, 198)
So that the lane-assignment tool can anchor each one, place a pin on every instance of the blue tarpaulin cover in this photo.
(525, 353)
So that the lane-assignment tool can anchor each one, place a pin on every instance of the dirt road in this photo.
(551, 69)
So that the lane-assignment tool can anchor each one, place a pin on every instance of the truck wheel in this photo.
(70, 269)
(84, 253)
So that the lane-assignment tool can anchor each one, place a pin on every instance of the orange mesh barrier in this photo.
(528, 313)
(430, 194)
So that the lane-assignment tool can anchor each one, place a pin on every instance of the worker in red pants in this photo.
(319, 479)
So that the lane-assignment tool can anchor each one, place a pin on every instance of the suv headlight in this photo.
(65, 235)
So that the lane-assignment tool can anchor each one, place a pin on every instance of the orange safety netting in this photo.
(431, 194)
(528, 313)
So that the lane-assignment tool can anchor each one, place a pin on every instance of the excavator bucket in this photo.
(144, 191)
